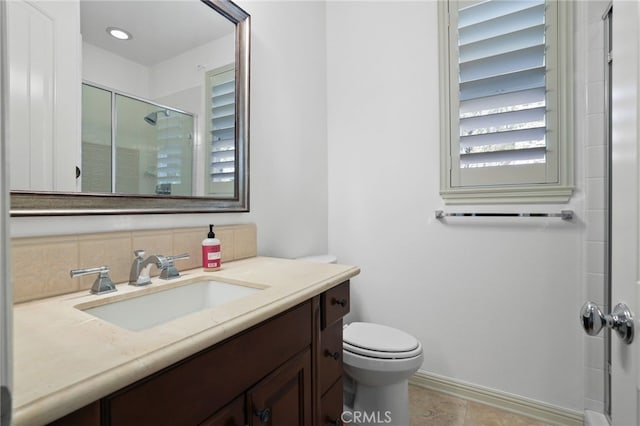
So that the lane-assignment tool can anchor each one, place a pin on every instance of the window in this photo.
(221, 161)
(506, 91)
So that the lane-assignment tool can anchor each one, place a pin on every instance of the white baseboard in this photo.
(592, 418)
(515, 404)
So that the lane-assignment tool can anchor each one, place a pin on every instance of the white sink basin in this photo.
(151, 309)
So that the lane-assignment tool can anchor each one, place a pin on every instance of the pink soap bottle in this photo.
(211, 258)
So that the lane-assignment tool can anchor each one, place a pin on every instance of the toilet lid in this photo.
(320, 258)
(379, 341)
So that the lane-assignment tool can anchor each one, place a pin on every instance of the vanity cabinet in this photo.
(196, 388)
(284, 371)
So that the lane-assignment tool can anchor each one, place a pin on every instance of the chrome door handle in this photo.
(620, 320)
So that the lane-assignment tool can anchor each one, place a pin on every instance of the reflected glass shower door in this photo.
(175, 153)
(608, 45)
(95, 174)
(134, 146)
(154, 149)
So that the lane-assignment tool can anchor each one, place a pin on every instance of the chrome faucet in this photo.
(102, 284)
(141, 267)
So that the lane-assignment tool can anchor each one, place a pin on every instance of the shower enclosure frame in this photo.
(608, 47)
(159, 106)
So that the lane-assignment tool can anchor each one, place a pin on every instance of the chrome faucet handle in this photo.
(177, 257)
(139, 254)
(102, 284)
(169, 271)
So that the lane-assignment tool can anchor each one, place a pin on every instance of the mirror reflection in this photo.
(149, 150)
(160, 113)
(177, 59)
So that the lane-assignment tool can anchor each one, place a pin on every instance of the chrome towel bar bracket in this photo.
(564, 214)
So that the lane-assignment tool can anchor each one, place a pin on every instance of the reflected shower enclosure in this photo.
(134, 146)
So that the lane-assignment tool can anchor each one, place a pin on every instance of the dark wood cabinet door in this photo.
(283, 398)
(231, 415)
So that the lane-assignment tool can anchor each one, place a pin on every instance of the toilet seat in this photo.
(381, 355)
(379, 341)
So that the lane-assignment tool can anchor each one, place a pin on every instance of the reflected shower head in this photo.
(152, 118)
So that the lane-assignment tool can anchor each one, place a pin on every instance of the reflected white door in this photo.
(43, 48)
(624, 208)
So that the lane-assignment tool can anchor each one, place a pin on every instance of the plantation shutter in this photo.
(504, 92)
(221, 163)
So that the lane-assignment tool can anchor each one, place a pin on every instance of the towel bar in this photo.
(564, 214)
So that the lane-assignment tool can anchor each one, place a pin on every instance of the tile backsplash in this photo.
(40, 266)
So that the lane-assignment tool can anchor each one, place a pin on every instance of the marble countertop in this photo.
(65, 358)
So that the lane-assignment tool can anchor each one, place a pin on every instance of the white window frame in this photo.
(559, 122)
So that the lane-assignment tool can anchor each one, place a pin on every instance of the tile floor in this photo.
(431, 408)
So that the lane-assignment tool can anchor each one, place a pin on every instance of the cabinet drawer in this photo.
(194, 389)
(334, 304)
(331, 406)
(330, 363)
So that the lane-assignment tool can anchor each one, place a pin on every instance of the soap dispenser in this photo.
(211, 258)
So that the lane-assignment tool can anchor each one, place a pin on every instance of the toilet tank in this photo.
(320, 258)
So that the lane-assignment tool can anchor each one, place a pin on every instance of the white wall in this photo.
(494, 302)
(288, 169)
(113, 71)
(190, 66)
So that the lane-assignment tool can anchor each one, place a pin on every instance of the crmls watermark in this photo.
(369, 417)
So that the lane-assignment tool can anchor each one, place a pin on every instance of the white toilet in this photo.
(379, 360)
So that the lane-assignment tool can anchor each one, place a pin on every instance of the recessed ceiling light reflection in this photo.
(119, 33)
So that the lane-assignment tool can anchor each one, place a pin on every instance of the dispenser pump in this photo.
(211, 258)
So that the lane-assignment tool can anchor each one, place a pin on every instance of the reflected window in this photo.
(221, 161)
